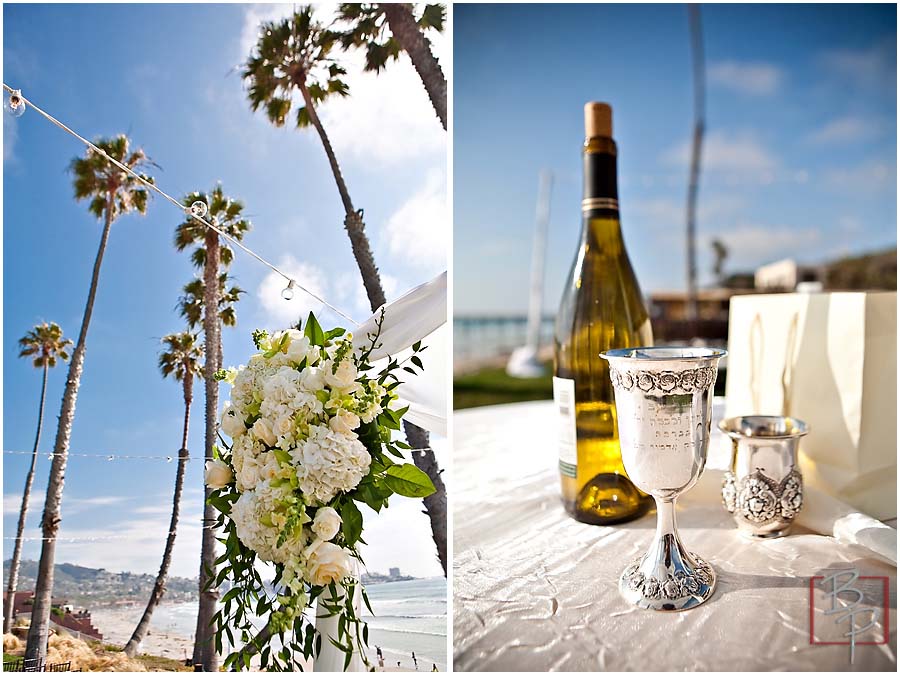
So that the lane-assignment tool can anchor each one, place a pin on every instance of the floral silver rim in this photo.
(758, 499)
(666, 382)
(677, 585)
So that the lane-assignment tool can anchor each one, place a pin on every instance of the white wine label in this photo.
(564, 395)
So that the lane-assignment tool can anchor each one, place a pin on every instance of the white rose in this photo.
(344, 378)
(312, 379)
(248, 473)
(327, 523)
(328, 563)
(232, 424)
(269, 467)
(298, 349)
(218, 474)
(283, 425)
(344, 422)
(263, 432)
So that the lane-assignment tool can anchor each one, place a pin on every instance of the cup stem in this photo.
(666, 551)
(668, 577)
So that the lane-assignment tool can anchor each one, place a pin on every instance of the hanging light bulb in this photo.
(199, 209)
(14, 104)
(288, 292)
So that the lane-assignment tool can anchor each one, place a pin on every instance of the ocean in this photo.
(488, 336)
(410, 616)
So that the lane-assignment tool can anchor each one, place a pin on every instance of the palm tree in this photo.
(369, 27)
(211, 256)
(45, 343)
(294, 54)
(112, 193)
(699, 77)
(180, 359)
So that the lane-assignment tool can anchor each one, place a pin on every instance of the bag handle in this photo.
(756, 359)
(787, 374)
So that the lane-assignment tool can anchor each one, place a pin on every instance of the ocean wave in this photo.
(385, 629)
(407, 616)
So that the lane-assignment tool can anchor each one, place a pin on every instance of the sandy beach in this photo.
(117, 624)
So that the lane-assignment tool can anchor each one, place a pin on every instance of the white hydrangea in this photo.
(329, 462)
(258, 517)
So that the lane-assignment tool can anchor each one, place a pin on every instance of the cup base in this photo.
(776, 534)
(685, 583)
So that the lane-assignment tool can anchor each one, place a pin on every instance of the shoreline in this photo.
(117, 622)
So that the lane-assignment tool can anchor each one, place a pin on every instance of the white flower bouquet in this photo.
(311, 435)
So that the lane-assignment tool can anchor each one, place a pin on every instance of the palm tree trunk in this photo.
(159, 588)
(416, 45)
(23, 511)
(435, 503)
(204, 646)
(39, 632)
(362, 251)
(696, 149)
(353, 221)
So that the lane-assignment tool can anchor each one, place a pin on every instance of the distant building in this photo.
(62, 614)
(786, 275)
(394, 572)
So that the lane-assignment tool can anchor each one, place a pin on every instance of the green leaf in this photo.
(314, 331)
(352, 522)
(408, 480)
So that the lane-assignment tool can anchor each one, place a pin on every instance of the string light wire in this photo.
(108, 457)
(292, 283)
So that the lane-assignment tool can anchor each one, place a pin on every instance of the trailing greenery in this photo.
(291, 638)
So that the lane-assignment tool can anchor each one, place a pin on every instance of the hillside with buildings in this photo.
(89, 587)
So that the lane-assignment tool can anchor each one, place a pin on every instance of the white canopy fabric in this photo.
(418, 315)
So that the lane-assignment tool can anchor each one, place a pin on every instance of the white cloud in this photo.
(756, 79)
(871, 176)
(848, 129)
(13, 502)
(387, 118)
(70, 505)
(668, 212)
(740, 153)
(874, 66)
(750, 245)
(282, 313)
(350, 289)
(418, 232)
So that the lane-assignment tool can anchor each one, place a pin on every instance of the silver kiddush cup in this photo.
(764, 489)
(664, 412)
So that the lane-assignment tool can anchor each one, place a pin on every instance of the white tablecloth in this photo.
(536, 590)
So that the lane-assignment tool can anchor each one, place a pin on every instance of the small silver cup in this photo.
(664, 414)
(764, 488)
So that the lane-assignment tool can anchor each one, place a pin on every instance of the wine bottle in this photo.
(601, 309)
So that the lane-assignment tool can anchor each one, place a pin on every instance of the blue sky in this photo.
(164, 75)
(799, 158)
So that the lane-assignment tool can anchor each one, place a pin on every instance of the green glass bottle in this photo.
(602, 308)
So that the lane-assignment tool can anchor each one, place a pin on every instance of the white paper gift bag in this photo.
(829, 359)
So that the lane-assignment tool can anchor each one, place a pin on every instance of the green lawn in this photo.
(492, 386)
